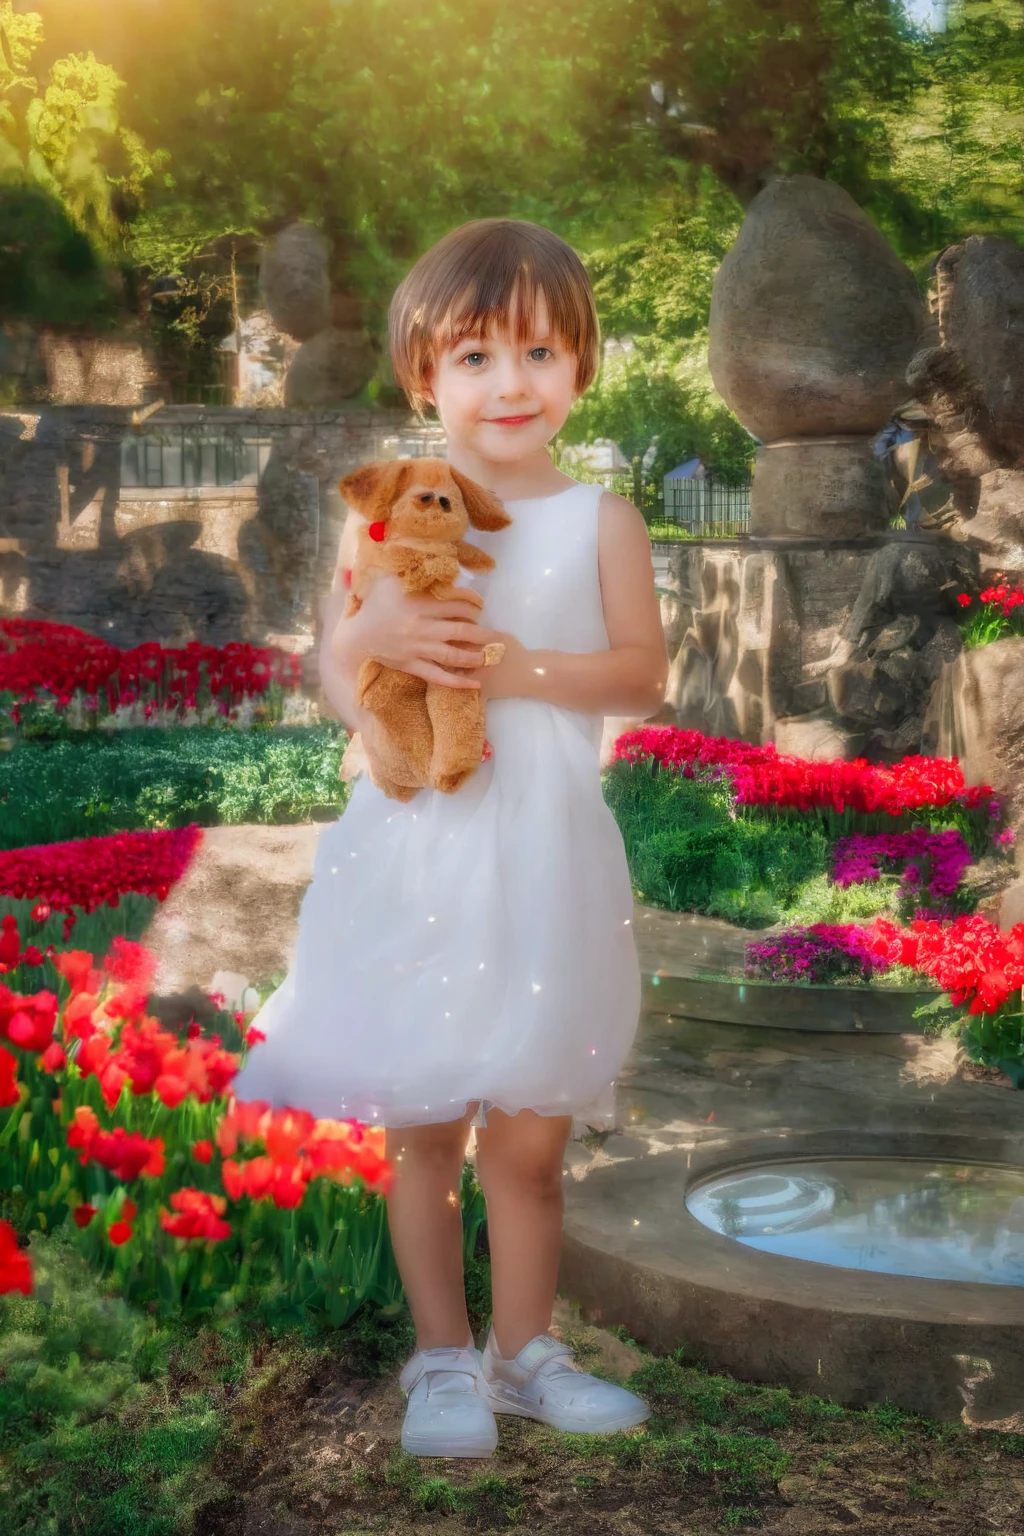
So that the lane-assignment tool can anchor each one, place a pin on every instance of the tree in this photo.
(653, 292)
(65, 137)
(960, 157)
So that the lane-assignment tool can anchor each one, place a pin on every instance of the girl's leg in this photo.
(425, 1221)
(519, 1160)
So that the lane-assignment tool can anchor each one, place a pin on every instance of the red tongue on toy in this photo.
(377, 532)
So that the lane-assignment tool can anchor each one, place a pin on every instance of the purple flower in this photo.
(943, 858)
(823, 952)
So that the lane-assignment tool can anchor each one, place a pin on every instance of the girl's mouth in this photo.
(509, 421)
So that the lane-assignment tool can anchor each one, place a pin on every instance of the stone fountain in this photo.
(825, 630)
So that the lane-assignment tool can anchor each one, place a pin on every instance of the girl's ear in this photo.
(483, 508)
(373, 488)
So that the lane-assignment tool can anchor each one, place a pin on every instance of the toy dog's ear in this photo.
(483, 508)
(373, 488)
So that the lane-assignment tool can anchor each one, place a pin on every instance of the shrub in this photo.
(88, 785)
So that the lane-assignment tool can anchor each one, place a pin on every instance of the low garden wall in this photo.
(247, 559)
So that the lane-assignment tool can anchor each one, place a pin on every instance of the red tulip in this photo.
(15, 1265)
(83, 1214)
(53, 1058)
(199, 1215)
(9, 1091)
(10, 942)
(233, 1179)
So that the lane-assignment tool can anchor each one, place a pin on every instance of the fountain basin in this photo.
(633, 1254)
(895, 1216)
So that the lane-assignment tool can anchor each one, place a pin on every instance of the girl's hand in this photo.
(415, 633)
(510, 678)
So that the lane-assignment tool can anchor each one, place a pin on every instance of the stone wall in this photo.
(826, 649)
(213, 563)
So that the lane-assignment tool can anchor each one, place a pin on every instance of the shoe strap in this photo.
(540, 1351)
(429, 1361)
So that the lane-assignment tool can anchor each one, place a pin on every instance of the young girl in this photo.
(468, 959)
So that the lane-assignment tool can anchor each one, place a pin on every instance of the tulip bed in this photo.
(743, 833)
(124, 1156)
(54, 675)
(860, 866)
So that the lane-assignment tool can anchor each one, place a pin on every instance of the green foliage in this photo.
(754, 87)
(94, 931)
(49, 272)
(689, 850)
(65, 136)
(955, 167)
(91, 785)
(990, 1039)
(653, 293)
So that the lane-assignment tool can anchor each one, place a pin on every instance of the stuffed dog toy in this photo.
(417, 513)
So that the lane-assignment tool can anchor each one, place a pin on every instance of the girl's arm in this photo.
(630, 677)
(340, 650)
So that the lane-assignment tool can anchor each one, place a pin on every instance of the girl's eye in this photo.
(470, 355)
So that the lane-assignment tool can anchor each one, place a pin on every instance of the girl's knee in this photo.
(539, 1174)
(441, 1145)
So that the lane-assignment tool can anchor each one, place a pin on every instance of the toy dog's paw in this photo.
(448, 783)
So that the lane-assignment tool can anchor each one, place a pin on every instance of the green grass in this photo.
(91, 785)
(89, 1438)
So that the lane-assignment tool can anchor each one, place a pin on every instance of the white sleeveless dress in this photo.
(475, 947)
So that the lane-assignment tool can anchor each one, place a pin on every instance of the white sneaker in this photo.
(542, 1383)
(447, 1414)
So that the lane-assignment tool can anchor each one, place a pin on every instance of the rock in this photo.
(944, 646)
(328, 369)
(807, 489)
(295, 281)
(996, 527)
(1011, 907)
(982, 290)
(972, 386)
(819, 736)
(861, 691)
(814, 318)
(899, 665)
(898, 632)
(977, 714)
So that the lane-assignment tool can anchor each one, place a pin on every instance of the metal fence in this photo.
(706, 509)
(186, 455)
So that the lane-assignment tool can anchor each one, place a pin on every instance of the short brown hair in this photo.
(480, 273)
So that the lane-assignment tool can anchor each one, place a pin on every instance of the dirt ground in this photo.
(316, 1452)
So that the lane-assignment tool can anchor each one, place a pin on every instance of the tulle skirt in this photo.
(475, 947)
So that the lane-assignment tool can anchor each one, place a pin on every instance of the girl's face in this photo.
(502, 400)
